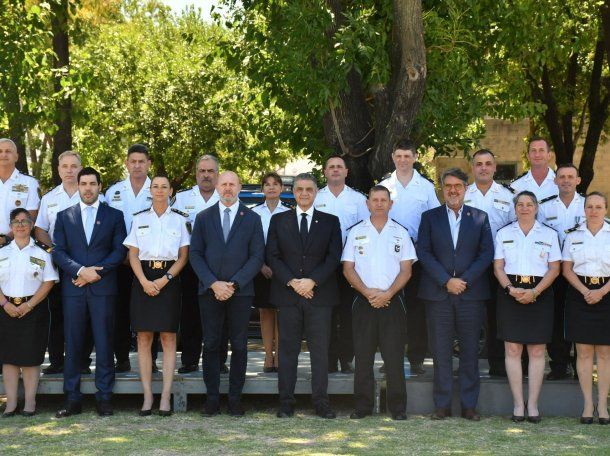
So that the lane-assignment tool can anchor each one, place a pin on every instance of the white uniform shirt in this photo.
(349, 206)
(454, 223)
(376, 255)
(497, 203)
(54, 201)
(265, 214)
(19, 190)
(410, 201)
(191, 202)
(561, 218)
(527, 182)
(590, 254)
(121, 197)
(527, 255)
(22, 271)
(158, 238)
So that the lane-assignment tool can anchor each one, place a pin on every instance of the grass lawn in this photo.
(260, 433)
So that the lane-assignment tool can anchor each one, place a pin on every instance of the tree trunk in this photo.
(62, 140)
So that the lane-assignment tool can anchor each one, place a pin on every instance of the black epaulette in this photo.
(427, 178)
(386, 176)
(184, 190)
(354, 225)
(260, 204)
(359, 191)
(178, 211)
(114, 183)
(548, 198)
(142, 211)
(606, 219)
(509, 223)
(43, 246)
(519, 176)
(548, 226)
(400, 225)
(508, 187)
(571, 230)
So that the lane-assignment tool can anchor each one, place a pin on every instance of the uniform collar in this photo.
(549, 176)
(495, 187)
(14, 175)
(13, 245)
(151, 210)
(537, 225)
(146, 186)
(415, 180)
(346, 189)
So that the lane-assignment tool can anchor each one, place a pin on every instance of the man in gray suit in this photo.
(227, 250)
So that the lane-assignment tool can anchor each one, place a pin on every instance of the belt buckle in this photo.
(17, 300)
(157, 264)
(525, 279)
(594, 280)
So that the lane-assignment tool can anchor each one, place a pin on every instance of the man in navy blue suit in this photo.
(455, 248)
(227, 250)
(88, 249)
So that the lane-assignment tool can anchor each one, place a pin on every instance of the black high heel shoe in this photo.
(145, 412)
(587, 419)
(602, 421)
(26, 413)
(165, 412)
(10, 414)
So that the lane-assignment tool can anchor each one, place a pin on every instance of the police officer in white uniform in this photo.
(16, 189)
(350, 206)
(61, 197)
(192, 201)
(129, 196)
(562, 212)
(540, 179)
(497, 201)
(377, 261)
(412, 194)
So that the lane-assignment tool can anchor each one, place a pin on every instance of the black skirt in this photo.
(159, 313)
(584, 323)
(23, 341)
(525, 323)
(262, 292)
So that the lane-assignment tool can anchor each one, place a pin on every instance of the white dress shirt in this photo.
(454, 223)
(497, 203)
(121, 196)
(590, 254)
(309, 217)
(84, 212)
(349, 206)
(265, 214)
(22, 271)
(19, 190)
(527, 182)
(561, 218)
(233, 212)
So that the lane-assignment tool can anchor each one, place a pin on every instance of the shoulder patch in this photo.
(394, 220)
(354, 225)
(177, 211)
(574, 228)
(509, 188)
(146, 210)
(43, 246)
(548, 198)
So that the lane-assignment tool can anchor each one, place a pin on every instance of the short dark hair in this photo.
(271, 175)
(483, 152)
(162, 176)
(138, 149)
(89, 171)
(334, 156)
(405, 144)
(305, 176)
(532, 195)
(596, 193)
(15, 212)
(379, 188)
(538, 138)
(567, 165)
(454, 172)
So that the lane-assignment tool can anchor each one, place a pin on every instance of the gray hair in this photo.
(69, 153)
(207, 157)
(10, 141)
(454, 172)
(530, 195)
(306, 176)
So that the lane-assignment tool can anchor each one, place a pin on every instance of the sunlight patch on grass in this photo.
(333, 436)
(296, 441)
(514, 431)
(115, 439)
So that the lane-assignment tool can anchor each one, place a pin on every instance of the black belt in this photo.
(517, 279)
(589, 280)
(18, 300)
(158, 264)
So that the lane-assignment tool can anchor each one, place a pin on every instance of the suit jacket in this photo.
(318, 259)
(106, 248)
(440, 261)
(237, 260)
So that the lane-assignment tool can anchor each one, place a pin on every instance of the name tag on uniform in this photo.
(143, 230)
(189, 208)
(320, 205)
(504, 206)
(361, 239)
(542, 243)
(577, 242)
(467, 201)
(37, 261)
(52, 205)
(551, 218)
(510, 241)
(3, 259)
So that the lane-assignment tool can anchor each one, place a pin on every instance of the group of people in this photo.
(350, 273)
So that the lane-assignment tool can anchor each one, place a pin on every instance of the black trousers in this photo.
(314, 322)
(341, 346)
(559, 349)
(56, 343)
(213, 316)
(417, 330)
(383, 328)
(495, 346)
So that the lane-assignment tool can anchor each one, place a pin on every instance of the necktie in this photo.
(90, 219)
(303, 229)
(226, 223)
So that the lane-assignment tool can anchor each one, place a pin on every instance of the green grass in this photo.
(260, 433)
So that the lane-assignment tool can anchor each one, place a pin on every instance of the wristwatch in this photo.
(507, 288)
(169, 276)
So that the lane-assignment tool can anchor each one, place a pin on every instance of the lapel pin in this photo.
(316, 221)
(97, 222)
(468, 214)
(241, 213)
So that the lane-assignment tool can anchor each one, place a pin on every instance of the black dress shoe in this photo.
(417, 369)
(470, 414)
(285, 412)
(224, 369)
(53, 369)
(71, 408)
(586, 420)
(85, 370)
(235, 409)
(326, 412)
(155, 369)
(27, 413)
(534, 419)
(123, 366)
(517, 418)
(400, 416)
(10, 414)
(557, 375)
(210, 409)
(165, 412)
(188, 368)
(358, 415)
(147, 412)
(346, 368)
(104, 408)
(440, 414)
(603, 421)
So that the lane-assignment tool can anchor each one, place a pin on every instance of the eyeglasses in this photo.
(21, 222)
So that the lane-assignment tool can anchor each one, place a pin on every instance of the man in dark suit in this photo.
(455, 248)
(303, 251)
(88, 249)
(227, 250)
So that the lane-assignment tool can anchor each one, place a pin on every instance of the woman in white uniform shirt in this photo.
(526, 262)
(158, 250)
(586, 266)
(26, 277)
(272, 188)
